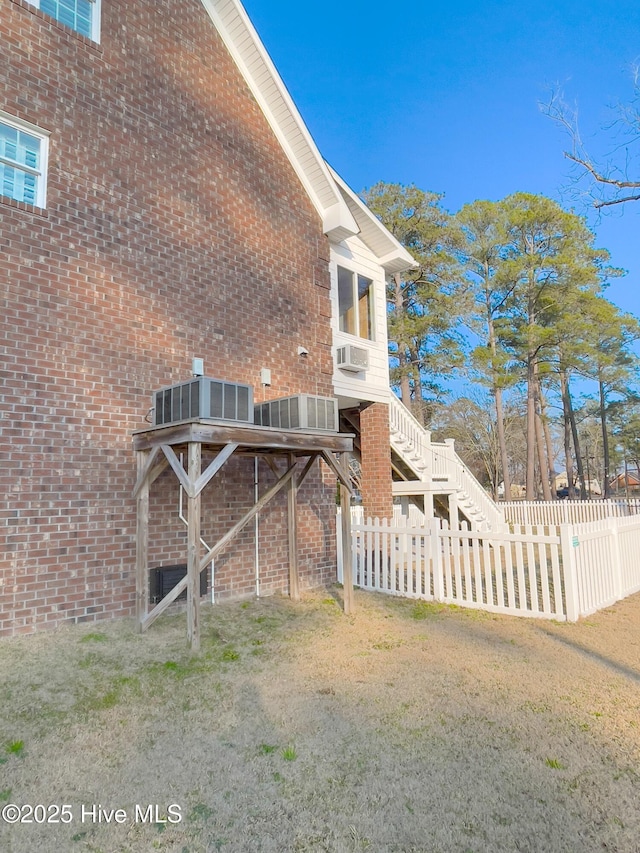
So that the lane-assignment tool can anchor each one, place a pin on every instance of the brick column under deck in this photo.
(377, 496)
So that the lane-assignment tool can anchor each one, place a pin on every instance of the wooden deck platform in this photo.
(155, 449)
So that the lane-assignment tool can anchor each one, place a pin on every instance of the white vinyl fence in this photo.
(568, 512)
(559, 574)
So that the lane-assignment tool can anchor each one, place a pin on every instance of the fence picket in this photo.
(544, 577)
(508, 558)
(457, 563)
(437, 542)
(531, 566)
(499, 575)
(475, 550)
(466, 561)
(522, 589)
(447, 556)
(488, 574)
(558, 608)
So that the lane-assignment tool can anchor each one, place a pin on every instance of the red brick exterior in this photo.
(175, 227)
(377, 497)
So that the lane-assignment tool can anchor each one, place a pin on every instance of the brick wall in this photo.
(377, 497)
(175, 227)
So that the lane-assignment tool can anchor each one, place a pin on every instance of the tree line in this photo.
(512, 295)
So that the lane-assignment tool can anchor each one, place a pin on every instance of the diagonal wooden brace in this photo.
(263, 501)
(161, 606)
(338, 471)
(213, 468)
(145, 471)
(177, 468)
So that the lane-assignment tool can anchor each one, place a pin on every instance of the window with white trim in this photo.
(355, 304)
(23, 161)
(83, 16)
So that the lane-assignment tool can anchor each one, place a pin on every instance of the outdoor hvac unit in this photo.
(353, 358)
(300, 412)
(204, 398)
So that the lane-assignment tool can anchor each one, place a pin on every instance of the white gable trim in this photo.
(389, 252)
(260, 74)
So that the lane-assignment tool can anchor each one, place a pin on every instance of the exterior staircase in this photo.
(426, 468)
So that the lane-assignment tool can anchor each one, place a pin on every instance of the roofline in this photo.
(243, 43)
(396, 258)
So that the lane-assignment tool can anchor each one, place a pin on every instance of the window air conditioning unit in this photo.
(352, 358)
(300, 412)
(203, 398)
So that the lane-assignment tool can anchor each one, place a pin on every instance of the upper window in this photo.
(81, 15)
(355, 303)
(23, 161)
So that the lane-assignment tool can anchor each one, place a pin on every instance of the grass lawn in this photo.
(406, 727)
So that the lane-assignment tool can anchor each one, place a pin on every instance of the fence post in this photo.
(570, 573)
(617, 562)
(436, 559)
(339, 543)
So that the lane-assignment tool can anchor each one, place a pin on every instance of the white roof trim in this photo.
(260, 74)
(390, 253)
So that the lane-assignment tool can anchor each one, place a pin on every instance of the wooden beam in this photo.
(144, 463)
(263, 501)
(160, 466)
(144, 469)
(247, 436)
(178, 470)
(294, 580)
(271, 462)
(193, 547)
(347, 566)
(307, 468)
(161, 606)
(214, 467)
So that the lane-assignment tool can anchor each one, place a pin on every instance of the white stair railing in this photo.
(406, 430)
(438, 464)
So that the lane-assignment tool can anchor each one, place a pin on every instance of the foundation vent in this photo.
(162, 581)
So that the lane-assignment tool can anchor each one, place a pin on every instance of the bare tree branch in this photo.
(615, 177)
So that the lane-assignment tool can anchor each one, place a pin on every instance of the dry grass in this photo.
(407, 727)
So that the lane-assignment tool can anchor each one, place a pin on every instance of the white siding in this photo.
(372, 385)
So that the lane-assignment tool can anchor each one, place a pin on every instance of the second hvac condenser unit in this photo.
(303, 411)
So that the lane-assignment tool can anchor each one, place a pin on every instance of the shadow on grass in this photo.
(596, 657)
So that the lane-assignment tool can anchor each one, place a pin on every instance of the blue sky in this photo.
(446, 95)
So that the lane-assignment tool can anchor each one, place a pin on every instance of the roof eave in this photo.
(391, 254)
(262, 78)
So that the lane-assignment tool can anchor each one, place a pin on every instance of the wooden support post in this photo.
(142, 539)
(294, 581)
(347, 567)
(193, 548)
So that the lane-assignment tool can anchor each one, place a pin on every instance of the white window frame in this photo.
(41, 172)
(95, 19)
(356, 274)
